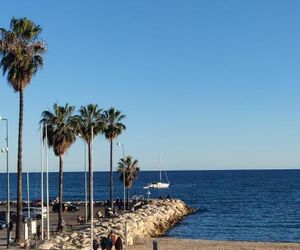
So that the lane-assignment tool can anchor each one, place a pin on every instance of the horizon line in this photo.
(169, 170)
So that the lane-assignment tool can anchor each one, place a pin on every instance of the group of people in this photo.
(108, 243)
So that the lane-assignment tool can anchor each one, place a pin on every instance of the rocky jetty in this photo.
(150, 220)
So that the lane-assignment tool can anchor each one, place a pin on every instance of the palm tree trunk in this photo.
(90, 178)
(19, 226)
(111, 175)
(60, 192)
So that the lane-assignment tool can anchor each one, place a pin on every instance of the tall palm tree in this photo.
(113, 128)
(21, 52)
(62, 128)
(91, 123)
(128, 167)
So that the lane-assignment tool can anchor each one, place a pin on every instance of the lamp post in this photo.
(47, 184)
(85, 177)
(92, 189)
(85, 184)
(44, 149)
(5, 150)
(42, 183)
(124, 191)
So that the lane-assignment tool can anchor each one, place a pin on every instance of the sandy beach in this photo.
(174, 244)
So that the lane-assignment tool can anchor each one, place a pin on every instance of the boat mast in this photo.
(159, 167)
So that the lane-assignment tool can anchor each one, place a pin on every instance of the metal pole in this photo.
(42, 183)
(28, 195)
(124, 188)
(92, 190)
(8, 185)
(47, 185)
(85, 182)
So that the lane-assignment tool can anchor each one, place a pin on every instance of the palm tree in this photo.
(128, 167)
(21, 52)
(91, 123)
(62, 128)
(113, 128)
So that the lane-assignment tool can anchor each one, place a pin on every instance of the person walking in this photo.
(60, 228)
(95, 244)
(11, 227)
(103, 243)
(109, 242)
(38, 232)
(119, 244)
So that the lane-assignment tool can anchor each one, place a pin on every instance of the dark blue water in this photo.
(232, 205)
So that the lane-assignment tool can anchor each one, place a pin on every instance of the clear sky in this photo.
(209, 84)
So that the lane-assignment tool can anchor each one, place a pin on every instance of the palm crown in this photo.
(130, 168)
(113, 120)
(21, 50)
(90, 116)
(62, 128)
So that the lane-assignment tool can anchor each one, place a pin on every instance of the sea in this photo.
(243, 205)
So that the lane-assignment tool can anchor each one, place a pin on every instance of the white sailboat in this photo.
(159, 184)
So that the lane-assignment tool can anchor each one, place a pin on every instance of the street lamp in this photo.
(85, 177)
(5, 151)
(44, 150)
(92, 190)
(42, 182)
(124, 198)
(47, 183)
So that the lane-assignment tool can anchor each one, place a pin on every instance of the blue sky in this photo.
(209, 84)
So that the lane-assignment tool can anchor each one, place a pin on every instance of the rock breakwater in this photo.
(150, 220)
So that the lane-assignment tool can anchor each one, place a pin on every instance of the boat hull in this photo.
(157, 185)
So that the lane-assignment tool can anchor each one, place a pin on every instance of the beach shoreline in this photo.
(166, 242)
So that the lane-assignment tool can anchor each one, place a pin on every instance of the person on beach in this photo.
(60, 228)
(103, 243)
(119, 244)
(108, 243)
(80, 220)
(38, 232)
(111, 240)
(63, 223)
(11, 227)
(95, 244)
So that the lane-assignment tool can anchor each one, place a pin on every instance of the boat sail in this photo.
(159, 184)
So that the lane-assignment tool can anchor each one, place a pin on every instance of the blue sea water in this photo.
(252, 205)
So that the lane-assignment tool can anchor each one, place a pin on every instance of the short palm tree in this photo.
(128, 167)
(113, 128)
(21, 52)
(90, 120)
(62, 128)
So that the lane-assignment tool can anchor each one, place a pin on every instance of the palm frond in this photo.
(113, 125)
(62, 128)
(21, 52)
(89, 117)
(130, 168)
